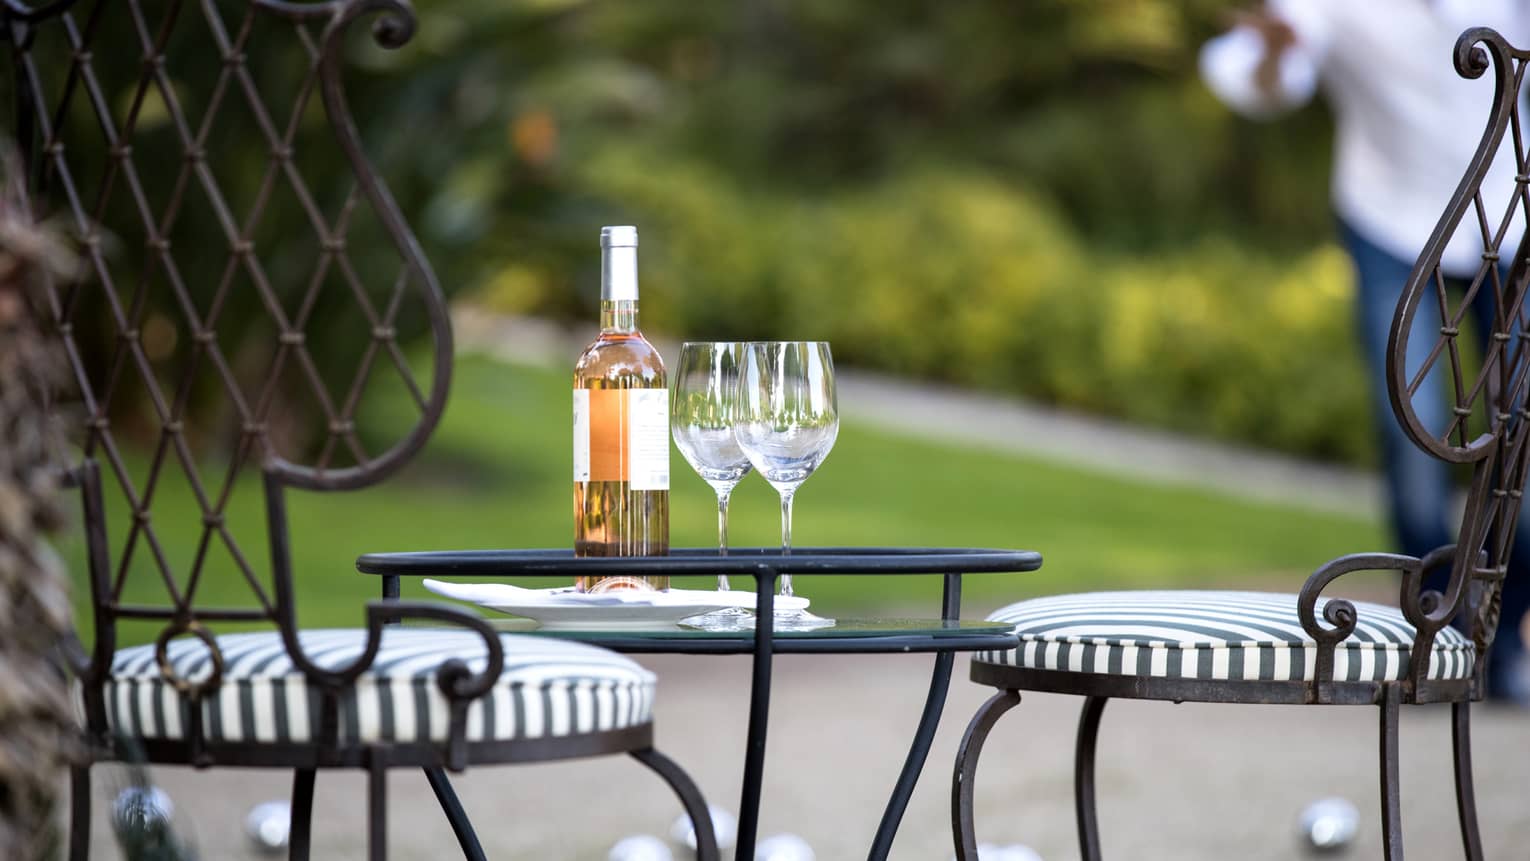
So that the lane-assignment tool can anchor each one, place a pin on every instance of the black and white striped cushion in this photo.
(1212, 635)
(549, 688)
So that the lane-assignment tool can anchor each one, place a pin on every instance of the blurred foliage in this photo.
(1040, 198)
(1097, 107)
(944, 274)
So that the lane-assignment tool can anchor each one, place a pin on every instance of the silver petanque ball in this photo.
(640, 847)
(140, 809)
(784, 847)
(269, 826)
(724, 824)
(1329, 825)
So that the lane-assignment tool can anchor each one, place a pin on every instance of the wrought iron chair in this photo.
(212, 275)
(1305, 649)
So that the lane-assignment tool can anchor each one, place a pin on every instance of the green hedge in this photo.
(951, 274)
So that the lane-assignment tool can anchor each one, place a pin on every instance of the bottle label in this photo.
(648, 438)
(622, 435)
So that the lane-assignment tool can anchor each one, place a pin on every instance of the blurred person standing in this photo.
(1407, 125)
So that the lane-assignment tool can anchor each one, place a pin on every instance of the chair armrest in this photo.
(459, 684)
(1339, 612)
(1421, 608)
(454, 679)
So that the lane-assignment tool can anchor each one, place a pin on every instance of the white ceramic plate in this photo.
(625, 616)
(567, 609)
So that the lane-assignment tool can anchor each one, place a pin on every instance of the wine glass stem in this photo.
(786, 536)
(722, 533)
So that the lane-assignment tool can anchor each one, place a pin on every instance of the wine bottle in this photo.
(621, 428)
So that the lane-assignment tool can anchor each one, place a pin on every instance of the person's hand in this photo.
(1277, 36)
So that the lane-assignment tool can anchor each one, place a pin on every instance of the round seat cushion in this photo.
(1214, 636)
(549, 688)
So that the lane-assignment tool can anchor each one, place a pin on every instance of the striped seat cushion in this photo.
(549, 688)
(1212, 635)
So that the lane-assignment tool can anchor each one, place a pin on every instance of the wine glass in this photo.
(701, 416)
(788, 418)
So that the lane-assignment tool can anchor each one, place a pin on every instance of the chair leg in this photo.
(963, 832)
(461, 825)
(1391, 801)
(79, 813)
(1083, 778)
(377, 812)
(1466, 800)
(690, 799)
(301, 830)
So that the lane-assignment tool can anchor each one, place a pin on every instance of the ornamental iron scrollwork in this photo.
(222, 206)
(1486, 423)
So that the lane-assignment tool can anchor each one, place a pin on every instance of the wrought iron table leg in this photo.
(1391, 806)
(690, 798)
(963, 831)
(79, 813)
(1466, 799)
(377, 810)
(1083, 778)
(301, 830)
(759, 715)
(929, 721)
(461, 825)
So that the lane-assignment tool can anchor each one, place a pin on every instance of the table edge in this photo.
(851, 561)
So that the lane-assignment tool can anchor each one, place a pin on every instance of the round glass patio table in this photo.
(943, 636)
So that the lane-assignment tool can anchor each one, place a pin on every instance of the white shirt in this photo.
(1407, 123)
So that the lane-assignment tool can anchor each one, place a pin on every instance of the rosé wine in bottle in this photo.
(621, 428)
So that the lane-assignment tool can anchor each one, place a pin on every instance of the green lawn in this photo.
(496, 474)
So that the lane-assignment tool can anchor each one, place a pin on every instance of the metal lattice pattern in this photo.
(91, 157)
(124, 137)
(1487, 423)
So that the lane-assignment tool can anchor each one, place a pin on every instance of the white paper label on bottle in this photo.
(648, 438)
(581, 434)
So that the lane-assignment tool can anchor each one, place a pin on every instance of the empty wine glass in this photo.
(788, 418)
(702, 413)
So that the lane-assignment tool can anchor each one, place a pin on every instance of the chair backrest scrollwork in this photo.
(1485, 422)
(247, 283)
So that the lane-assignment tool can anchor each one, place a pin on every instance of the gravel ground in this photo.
(1177, 782)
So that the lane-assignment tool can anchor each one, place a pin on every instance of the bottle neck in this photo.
(618, 289)
(619, 316)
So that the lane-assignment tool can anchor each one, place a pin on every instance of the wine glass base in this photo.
(726, 619)
(787, 620)
(800, 620)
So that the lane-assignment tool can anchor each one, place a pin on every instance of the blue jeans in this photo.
(1418, 484)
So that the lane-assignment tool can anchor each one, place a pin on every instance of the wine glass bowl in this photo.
(713, 453)
(788, 416)
(702, 414)
(786, 455)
